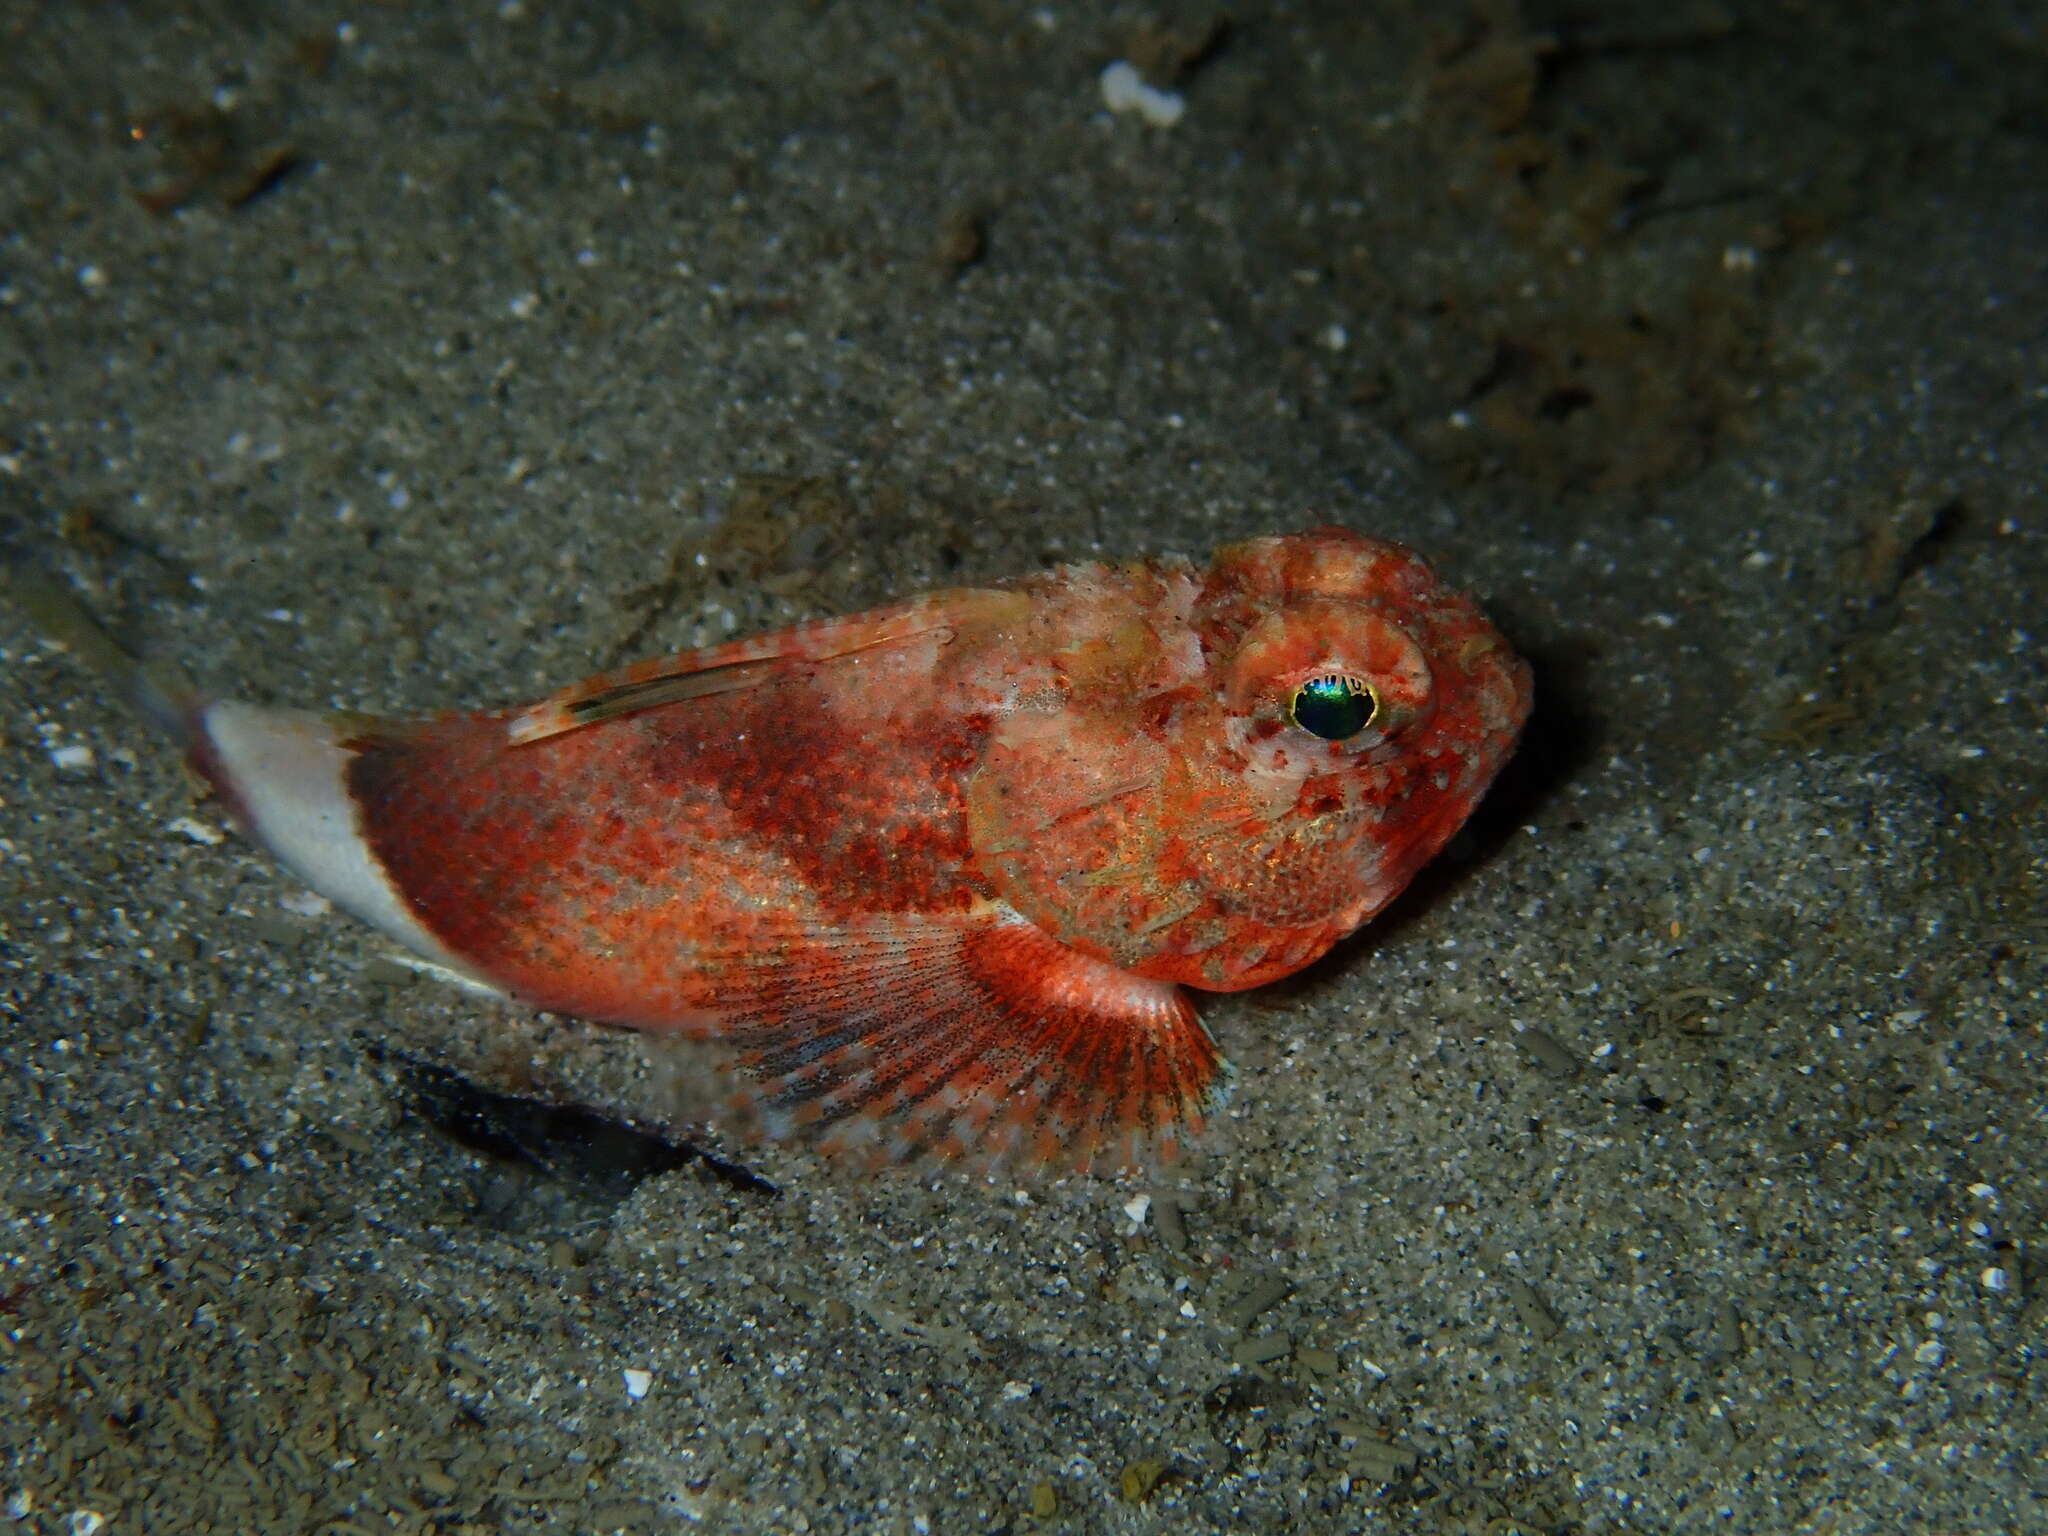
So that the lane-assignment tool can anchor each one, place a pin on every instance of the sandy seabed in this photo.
(1673, 1157)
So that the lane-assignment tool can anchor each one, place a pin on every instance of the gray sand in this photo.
(1675, 1155)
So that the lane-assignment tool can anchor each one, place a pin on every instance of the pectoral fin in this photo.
(986, 1043)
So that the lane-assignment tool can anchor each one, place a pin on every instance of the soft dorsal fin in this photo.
(747, 663)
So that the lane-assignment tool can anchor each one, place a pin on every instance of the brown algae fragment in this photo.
(1543, 1048)
(1262, 1296)
(1140, 1480)
(1318, 1362)
(1264, 1349)
(1531, 1310)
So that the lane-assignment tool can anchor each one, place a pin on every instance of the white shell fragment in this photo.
(198, 831)
(1125, 90)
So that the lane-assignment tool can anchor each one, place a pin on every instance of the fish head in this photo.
(1319, 714)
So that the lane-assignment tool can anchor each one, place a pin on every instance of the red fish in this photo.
(934, 876)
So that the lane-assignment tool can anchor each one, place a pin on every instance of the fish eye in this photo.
(1334, 706)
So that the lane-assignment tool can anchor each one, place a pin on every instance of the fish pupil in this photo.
(1333, 707)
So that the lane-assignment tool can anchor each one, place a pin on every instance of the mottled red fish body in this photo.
(932, 874)
(588, 871)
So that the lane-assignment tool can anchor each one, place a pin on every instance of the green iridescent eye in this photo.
(1333, 706)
